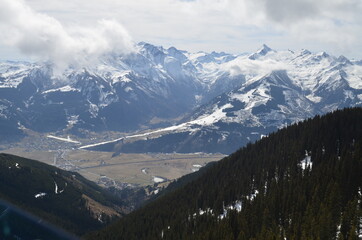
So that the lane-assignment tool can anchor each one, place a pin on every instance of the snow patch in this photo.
(93, 110)
(13, 73)
(72, 120)
(348, 94)
(354, 78)
(62, 89)
(314, 98)
(236, 206)
(158, 179)
(252, 196)
(20, 126)
(56, 190)
(202, 212)
(306, 162)
(196, 167)
(214, 117)
(128, 89)
(121, 77)
(40, 195)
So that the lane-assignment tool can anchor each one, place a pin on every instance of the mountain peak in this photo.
(150, 47)
(172, 49)
(264, 50)
(323, 54)
(305, 52)
(343, 59)
(174, 52)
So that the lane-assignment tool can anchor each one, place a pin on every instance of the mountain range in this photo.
(176, 101)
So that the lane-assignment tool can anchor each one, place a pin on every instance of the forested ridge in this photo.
(302, 182)
(57, 196)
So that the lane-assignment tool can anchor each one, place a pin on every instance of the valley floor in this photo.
(124, 170)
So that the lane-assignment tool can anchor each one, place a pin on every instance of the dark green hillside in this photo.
(63, 198)
(302, 182)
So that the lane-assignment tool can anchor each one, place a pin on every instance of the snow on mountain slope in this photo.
(12, 73)
(120, 93)
(277, 89)
(228, 99)
(237, 117)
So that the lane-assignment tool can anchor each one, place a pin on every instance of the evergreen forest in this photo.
(301, 182)
(63, 198)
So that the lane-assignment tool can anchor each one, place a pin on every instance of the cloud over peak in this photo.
(221, 25)
(44, 37)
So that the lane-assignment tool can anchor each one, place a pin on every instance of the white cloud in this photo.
(222, 25)
(334, 25)
(43, 36)
(253, 68)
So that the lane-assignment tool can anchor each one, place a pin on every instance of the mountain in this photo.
(278, 88)
(187, 102)
(240, 116)
(63, 198)
(302, 182)
(120, 93)
(264, 50)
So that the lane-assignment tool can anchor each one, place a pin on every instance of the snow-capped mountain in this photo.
(120, 93)
(276, 89)
(224, 100)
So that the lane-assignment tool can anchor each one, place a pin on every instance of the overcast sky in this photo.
(65, 30)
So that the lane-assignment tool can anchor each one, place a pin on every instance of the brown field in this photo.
(123, 169)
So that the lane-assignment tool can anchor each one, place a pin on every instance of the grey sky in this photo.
(56, 29)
